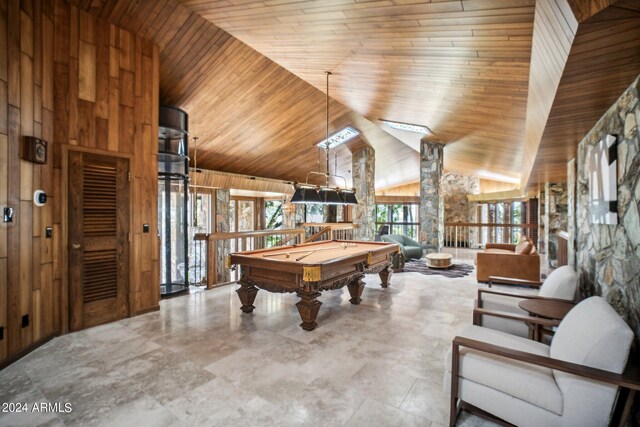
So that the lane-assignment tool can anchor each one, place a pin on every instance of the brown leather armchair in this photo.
(500, 259)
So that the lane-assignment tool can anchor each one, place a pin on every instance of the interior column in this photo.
(223, 197)
(431, 197)
(364, 180)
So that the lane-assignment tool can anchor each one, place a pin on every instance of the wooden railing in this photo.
(329, 231)
(476, 235)
(222, 244)
(563, 248)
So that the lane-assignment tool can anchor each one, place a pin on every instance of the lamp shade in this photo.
(305, 195)
(348, 197)
(329, 196)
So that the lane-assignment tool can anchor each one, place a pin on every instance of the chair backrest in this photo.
(394, 238)
(384, 229)
(591, 334)
(562, 283)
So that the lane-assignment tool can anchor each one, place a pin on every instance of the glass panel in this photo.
(173, 231)
(245, 215)
(382, 213)
(273, 214)
(396, 213)
(314, 213)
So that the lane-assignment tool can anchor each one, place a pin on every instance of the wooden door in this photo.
(98, 239)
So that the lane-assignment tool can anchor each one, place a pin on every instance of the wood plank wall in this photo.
(78, 83)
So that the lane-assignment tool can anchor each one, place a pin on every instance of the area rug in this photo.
(420, 266)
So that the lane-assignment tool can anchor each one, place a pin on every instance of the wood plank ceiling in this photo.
(252, 116)
(459, 67)
(250, 74)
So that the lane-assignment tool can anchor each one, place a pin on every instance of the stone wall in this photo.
(431, 198)
(223, 248)
(555, 218)
(457, 208)
(608, 256)
(571, 213)
(364, 177)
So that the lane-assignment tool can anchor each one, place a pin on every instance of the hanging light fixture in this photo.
(308, 193)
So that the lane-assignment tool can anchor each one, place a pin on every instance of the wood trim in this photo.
(508, 294)
(479, 312)
(146, 310)
(596, 374)
(514, 281)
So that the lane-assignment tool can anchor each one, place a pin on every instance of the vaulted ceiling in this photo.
(251, 76)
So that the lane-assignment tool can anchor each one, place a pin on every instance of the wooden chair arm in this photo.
(514, 281)
(596, 374)
(478, 312)
(512, 295)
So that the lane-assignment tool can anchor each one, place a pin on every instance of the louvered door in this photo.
(98, 239)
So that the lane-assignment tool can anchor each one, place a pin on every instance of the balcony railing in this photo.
(316, 232)
(222, 244)
(476, 235)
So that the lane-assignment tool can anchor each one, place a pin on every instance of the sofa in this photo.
(409, 247)
(521, 261)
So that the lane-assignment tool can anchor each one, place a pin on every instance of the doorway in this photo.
(98, 194)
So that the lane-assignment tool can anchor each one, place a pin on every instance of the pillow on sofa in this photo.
(523, 247)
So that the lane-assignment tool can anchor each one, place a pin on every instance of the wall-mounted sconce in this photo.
(34, 150)
(39, 198)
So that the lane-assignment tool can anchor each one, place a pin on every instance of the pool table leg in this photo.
(247, 294)
(385, 275)
(356, 286)
(308, 307)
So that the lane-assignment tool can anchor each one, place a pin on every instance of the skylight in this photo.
(339, 137)
(408, 127)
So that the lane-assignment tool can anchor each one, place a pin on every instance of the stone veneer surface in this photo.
(222, 226)
(457, 208)
(571, 212)
(364, 176)
(608, 256)
(555, 218)
(431, 197)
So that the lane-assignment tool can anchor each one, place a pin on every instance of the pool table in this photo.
(310, 268)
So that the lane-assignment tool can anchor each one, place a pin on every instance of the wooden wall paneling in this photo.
(13, 233)
(25, 264)
(4, 196)
(4, 346)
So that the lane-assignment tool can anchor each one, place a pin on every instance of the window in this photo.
(400, 218)
(339, 137)
(273, 218)
(313, 212)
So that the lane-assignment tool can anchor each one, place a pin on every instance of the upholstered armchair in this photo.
(499, 310)
(409, 247)
(520, 263)
(572, 382)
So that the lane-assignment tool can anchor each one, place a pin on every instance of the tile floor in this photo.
(201, 361)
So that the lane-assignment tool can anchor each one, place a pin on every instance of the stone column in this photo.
(364, 176)
(571, 213)
(555, 218)
(431, 198)
(222, 247)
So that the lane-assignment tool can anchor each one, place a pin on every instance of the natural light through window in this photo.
(339, 137)
(408, 127)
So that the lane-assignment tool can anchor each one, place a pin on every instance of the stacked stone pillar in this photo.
(431, 196)
(223, 197)
(571, 213)
(364, 177)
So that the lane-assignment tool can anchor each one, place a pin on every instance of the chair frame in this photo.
(538, 325)
(629, 381)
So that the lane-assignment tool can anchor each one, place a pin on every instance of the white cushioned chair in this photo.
(527, 383)
(561, 284)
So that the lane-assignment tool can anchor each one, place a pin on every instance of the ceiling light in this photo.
(308, 193)
(408, 127)
(339, 137)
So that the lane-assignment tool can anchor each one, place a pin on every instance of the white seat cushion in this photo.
(524, 381)
(562, 283)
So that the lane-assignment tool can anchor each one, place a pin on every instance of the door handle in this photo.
(75, 246)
